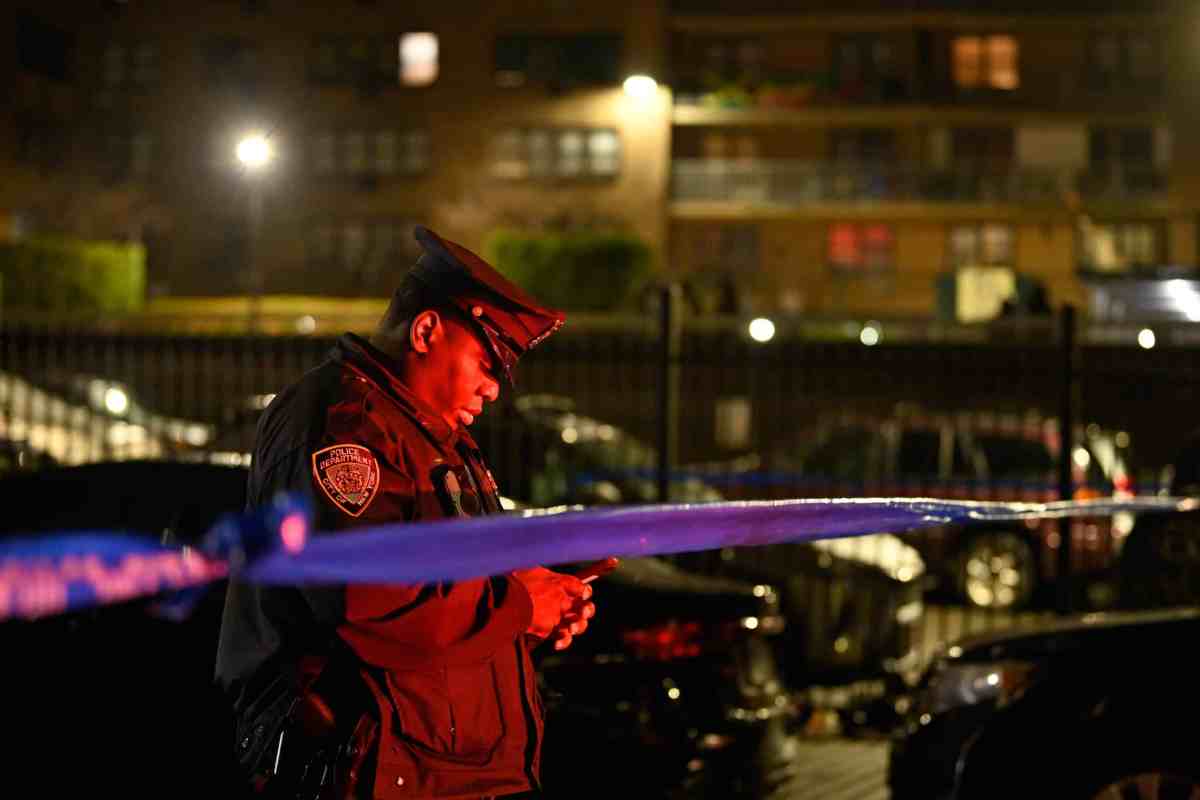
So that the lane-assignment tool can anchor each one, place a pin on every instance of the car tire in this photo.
(996, 570)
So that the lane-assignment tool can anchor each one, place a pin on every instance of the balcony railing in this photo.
(787, 182)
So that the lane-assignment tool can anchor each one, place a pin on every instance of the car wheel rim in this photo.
(996, 572)
(1150, 786)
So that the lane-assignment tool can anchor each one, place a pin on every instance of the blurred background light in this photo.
(254, 151)
(640, 86)
(762, 329)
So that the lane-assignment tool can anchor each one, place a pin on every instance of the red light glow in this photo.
(294, 533)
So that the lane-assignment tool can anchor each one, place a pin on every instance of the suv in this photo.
(966, 456)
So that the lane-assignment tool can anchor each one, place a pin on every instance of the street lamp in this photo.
(640, 87)
(254, 153)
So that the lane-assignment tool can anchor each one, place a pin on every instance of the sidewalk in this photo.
(831, 768)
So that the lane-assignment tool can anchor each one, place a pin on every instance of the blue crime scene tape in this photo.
(70, 571)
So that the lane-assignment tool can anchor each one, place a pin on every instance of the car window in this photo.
(844, 454)
(1016, 457)
(919, 451)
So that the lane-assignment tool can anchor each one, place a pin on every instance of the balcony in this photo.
(792, 183)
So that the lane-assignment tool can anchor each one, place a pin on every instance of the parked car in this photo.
(83, 418)
(851, 605)
(1160, 563)
(913, 453)
(548, 453)
(675, 673)
(1095, 707)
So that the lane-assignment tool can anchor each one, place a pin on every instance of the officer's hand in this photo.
(555, 595)
(574, 622)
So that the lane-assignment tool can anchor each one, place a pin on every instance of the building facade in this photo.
(817, 158)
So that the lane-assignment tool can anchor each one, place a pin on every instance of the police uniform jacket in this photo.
(447, 664)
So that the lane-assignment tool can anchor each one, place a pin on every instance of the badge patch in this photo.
(349, 476)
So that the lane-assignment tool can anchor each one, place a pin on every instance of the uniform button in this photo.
(399, 781)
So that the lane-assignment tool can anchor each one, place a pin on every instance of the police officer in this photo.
(398, 691)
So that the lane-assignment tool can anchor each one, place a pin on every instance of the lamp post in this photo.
(254, 153)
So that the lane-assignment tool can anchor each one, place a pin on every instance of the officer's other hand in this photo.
(559, 602)
(574, 622)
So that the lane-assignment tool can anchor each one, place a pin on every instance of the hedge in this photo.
(582, 271)
(61, 274)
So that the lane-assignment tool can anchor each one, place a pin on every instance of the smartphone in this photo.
(597, 569)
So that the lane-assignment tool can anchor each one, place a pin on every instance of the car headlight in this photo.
(959, 685)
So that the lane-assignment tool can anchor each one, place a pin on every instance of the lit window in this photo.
(508, 155)
(878, 247)
(556, 153)
(968, 61)
(1002, 63)
(988, 244)
(541, 154)
(986, 62)
(418, 59)
(861, 247)
(604, 152)
(1117, 247)
(570, 153)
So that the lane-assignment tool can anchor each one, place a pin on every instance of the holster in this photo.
(309, 734)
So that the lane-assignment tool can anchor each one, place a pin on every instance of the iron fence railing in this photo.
(634, 409)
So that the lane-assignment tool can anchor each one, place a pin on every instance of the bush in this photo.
(582, 271)
(60, 274)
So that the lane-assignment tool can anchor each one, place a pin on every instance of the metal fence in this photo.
(623, 409)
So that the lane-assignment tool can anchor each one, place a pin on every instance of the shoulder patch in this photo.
(349, 476)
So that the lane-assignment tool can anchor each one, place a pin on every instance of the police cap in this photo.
(508, 318)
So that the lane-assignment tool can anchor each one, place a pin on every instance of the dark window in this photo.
(864, 68)
(43, 48)
(1129, 59)
(365, 250)
(984, 146)
(231, 61)
(558, 61)
(919, 454)
(870, 145)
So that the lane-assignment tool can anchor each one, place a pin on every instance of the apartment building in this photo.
(926, 158)
(465, 116)
(825, 158)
